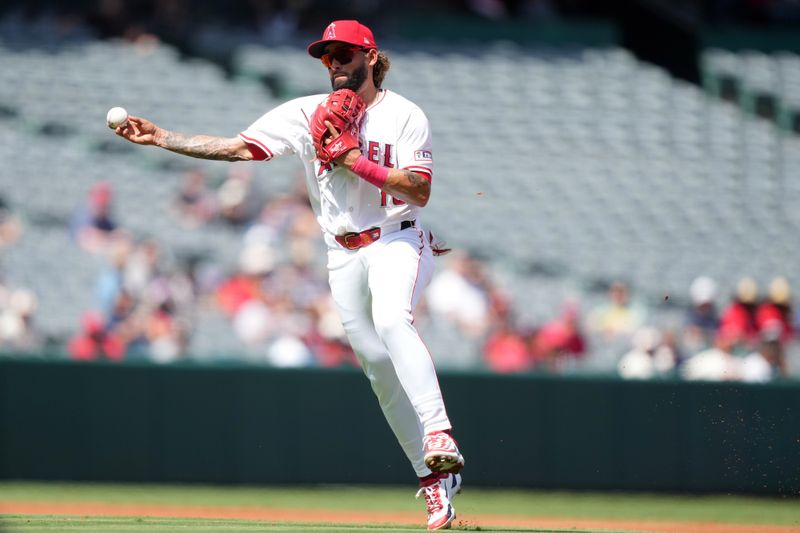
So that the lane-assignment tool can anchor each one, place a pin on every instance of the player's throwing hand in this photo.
(138, 130)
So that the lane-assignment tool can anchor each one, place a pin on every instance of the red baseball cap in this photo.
(100, 193)
(343, 31)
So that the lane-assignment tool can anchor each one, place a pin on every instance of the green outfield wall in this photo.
(105, 422)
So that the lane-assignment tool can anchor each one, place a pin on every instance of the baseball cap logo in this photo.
(330, 32)
(336, 146)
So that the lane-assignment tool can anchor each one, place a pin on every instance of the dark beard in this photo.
(354, 81)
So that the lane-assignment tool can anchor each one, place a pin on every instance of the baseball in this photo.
(117, 116)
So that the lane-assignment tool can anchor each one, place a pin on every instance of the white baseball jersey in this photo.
(395, 134)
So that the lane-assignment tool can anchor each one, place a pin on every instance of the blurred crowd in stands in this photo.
(175, 21)
(276, 299)
(141, 309)
(18, 332)
(743, 338)
(272, 21)
(747, 340)
(279, 310)
(277, 303)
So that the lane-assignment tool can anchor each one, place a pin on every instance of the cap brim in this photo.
(317, 49)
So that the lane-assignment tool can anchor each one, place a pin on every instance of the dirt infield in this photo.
(345, 517)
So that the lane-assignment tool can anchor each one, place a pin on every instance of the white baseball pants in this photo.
(376, 289)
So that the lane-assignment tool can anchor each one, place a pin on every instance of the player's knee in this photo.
(365, 343)
(388, 323)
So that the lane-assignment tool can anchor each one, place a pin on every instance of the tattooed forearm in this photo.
(202, 146)
(408, 186)
(414, 179)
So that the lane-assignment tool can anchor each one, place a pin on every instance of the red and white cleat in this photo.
(438, 500)
(441, 453)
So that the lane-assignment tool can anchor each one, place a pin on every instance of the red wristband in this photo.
(371, 172)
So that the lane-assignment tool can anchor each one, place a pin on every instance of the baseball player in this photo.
(368, 167)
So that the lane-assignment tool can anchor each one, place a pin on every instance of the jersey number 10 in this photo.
(374, 151)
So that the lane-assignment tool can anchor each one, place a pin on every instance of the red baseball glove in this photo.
(344, 109)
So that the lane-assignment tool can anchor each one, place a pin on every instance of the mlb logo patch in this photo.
(423, 155)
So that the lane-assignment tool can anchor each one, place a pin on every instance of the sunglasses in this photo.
(343, 55)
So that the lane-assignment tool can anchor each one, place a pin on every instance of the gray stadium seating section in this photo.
(565, 169)
(775, 73)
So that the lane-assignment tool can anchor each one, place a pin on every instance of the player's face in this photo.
(346, 65)
(340, 53)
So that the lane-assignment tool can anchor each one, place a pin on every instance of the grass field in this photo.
(114, 525)
(57, 507)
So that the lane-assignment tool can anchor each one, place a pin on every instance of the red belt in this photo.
(354, 241)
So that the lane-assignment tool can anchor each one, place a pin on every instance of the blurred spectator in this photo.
(304, 281)
(739, 317)
(289, 324)
(560, 342)
(288, 351)
(255, 262)
(506, 350)
(287, 213)
(165, 335)
(10, 225)
(459, 293)
(716, 363)
(619, 317)
(94, 227)
(290, 216)
(702, 318)
(112, 278)
(766, 363)
(775, 315)
(327, 339)
(142, 267)
(94, 342)
(648, 357)
(547, 349)
(243, 299)
(123, 321)
(17, 329)
(179, 287)
(236, 197)
(195, 203)
(252, 322)
(670, 342)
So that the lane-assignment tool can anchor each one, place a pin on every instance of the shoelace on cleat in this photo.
(433, 499)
